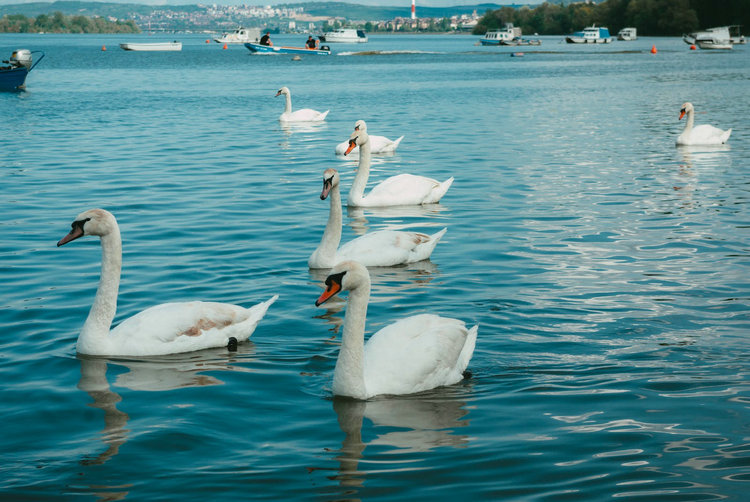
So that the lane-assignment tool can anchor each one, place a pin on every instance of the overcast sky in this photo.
(389, 3)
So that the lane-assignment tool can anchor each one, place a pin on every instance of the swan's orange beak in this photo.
(75, 232)
(352, 146)
(682, 114)
(333, 288)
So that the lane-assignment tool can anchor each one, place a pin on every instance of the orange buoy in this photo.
(653, 49)
(693, 47)
(225, 46)
(104, 47)
(208, 41)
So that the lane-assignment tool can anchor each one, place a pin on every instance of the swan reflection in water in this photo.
(422, 422)
(698, 160)
(155, 374)
(359, 223)
(290, 128)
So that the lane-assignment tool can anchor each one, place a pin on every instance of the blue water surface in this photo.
(607, 270)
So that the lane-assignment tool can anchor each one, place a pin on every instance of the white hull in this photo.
(240, 36)
(345, 37)
(154, 46)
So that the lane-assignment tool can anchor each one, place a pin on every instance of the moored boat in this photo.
(272, 49)
(590, 35)
(505, 36)
(720, 37)
(627, 34)
(239, 36)
(344, 36)
(152, 46)
(20, 64)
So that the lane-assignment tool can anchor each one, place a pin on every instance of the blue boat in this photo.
(272, 49)
(13, 77)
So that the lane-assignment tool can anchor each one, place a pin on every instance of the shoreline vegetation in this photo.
(58, 22)
(650, 17)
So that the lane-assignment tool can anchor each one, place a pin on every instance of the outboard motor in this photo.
(21, 57)
(325, 48)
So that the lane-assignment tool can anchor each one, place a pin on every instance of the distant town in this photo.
(297, 18)
(290, 20)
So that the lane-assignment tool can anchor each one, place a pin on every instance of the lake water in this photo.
(606, 268)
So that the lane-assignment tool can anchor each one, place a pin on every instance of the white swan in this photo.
(384, 248)
(399, 190)
(378, 144)
(414, 354)
(164, 329)
(302, 115)
(700, 135)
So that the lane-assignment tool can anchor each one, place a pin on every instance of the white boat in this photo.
(627, 34)
(239, 36)
(590, 35)
(344, 36)
(505, 36)
(719, 37)
(152, 46)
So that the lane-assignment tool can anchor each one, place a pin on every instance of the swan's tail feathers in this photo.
(725, 136)
(323, 115)
(395, 144)
(439, 235)
(438, 192)
(471, 341)
(255, 314)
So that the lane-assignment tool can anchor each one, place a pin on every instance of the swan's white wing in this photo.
(304, 115)
(386, 248)
(416, 353)
(402, 189)
(182, 327)
(378, 144)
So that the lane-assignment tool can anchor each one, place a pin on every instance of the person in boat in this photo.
(311, 43)
(266, 39)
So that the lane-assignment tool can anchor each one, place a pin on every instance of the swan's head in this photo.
(92, 222)
(330, 180)
(346, 276)
(686, 108)
(358, 138)
(360, 125)
(283, 90)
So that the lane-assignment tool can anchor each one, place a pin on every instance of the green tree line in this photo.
(650, 17)
(60, 23)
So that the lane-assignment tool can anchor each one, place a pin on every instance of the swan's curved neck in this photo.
(288, 108)
(690, 121)
(357, 191)
(329, 243)
(349, 375)
(96, 328)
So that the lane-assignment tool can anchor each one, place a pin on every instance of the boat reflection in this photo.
(423, 422)
(153, 375)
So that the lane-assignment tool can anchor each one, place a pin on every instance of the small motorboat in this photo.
(20, 64)
(272, 49)
(152, 46)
